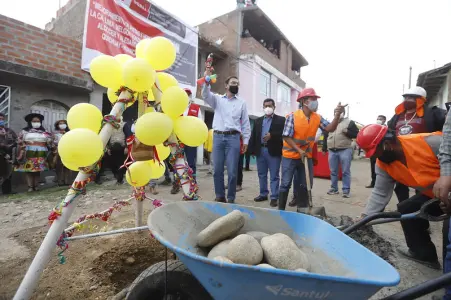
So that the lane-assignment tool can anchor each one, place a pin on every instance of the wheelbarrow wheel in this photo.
(180, 284)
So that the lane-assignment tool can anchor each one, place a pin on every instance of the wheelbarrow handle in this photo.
(382, 215)
(425, 215)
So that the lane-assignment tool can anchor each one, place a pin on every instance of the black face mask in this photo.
(388, 156)
(233, 89)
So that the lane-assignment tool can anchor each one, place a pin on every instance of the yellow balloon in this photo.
(150, 96)
(160, 52)
(80, 147)
(139, 173)
(174, 101)
(191, 131)
(149, 109)
(163, 151)
(166, 80)
(70, 166)
(138, 75)
(157, 169)
(123, 58)
(141, 47)
(84, 115)
(106, 71)
(111, 93)
(153, 128)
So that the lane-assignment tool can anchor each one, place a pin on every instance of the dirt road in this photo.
(98, 268)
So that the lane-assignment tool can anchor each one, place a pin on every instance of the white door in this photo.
(52, 112)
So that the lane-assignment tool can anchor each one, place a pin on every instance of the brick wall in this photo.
(30, 46)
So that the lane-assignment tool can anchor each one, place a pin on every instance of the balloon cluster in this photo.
(82, 146)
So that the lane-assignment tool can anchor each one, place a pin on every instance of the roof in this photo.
(257, 9)
(433, 80)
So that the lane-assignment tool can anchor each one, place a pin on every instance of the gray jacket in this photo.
(383, 188)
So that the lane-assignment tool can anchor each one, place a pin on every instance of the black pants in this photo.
(373, 170)
(247, 158)
(416, 231)
(6, 185)
(239, 180)
(117, 159)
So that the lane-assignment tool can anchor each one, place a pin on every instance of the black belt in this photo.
(230, 132)
(336, 149)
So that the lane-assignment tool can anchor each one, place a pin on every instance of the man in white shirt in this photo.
(192, 110)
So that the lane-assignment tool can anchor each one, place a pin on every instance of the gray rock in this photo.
(282, 252)
(223, 259)
(265, 266)
(219, 250)
(220, 229)
(258, 235)
(301, 270)
(245, 249)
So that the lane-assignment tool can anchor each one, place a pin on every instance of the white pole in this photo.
(139, 205)
(173, 140)
(42, 257)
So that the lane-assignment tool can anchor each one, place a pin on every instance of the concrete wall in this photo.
(26, 92)
(70, 20)
(444, 94)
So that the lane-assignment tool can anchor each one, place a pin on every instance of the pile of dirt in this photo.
(119, 266)
(367, 237)
(96, 268)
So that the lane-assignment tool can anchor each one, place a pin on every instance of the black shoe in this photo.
(260, 199)
(273, 203)
(166, 182)
(292, 203)
(222, 200)
(370, 186)
(283, 197)
(407, 253)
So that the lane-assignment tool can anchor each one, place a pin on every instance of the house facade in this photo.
(437, 83)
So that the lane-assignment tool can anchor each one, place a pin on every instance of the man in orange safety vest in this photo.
(298, 139)
(410, 160)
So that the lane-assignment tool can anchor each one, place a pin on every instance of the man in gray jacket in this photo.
(339, 145)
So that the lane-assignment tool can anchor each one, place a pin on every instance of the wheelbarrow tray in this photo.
(176, 226)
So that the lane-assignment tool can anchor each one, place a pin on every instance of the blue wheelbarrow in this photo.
(176, 225)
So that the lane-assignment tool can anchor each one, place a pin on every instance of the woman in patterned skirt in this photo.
(34, 144)
(63, 174)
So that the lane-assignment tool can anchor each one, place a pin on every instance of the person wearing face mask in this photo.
(8, 139)
(34, 145)
(413, 116)
(412, 161)
(192, 110)
(298, 140)
(381, 121)
(63, 174)
(266, 145)
(339, 145)
(230, 125)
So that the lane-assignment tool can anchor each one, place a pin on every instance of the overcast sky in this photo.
(359, 52)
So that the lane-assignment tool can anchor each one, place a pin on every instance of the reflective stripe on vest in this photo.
(422, 167)
(304, 134)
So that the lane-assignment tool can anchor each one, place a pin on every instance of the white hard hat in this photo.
(416, 91)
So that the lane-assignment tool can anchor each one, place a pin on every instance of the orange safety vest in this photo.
(304, 134)
(422, 167)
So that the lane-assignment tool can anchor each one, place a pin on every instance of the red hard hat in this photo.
(307, 92)
(188, 91)
(370, 136)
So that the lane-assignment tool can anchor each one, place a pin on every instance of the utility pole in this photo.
(434, 63)
(410, 76)
(403, 85)
(239, 30)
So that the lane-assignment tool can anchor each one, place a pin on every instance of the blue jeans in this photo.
(226, 150)
(447, 263)
(290, 167)
(267, 162)
(343, 158)
(191, 157)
